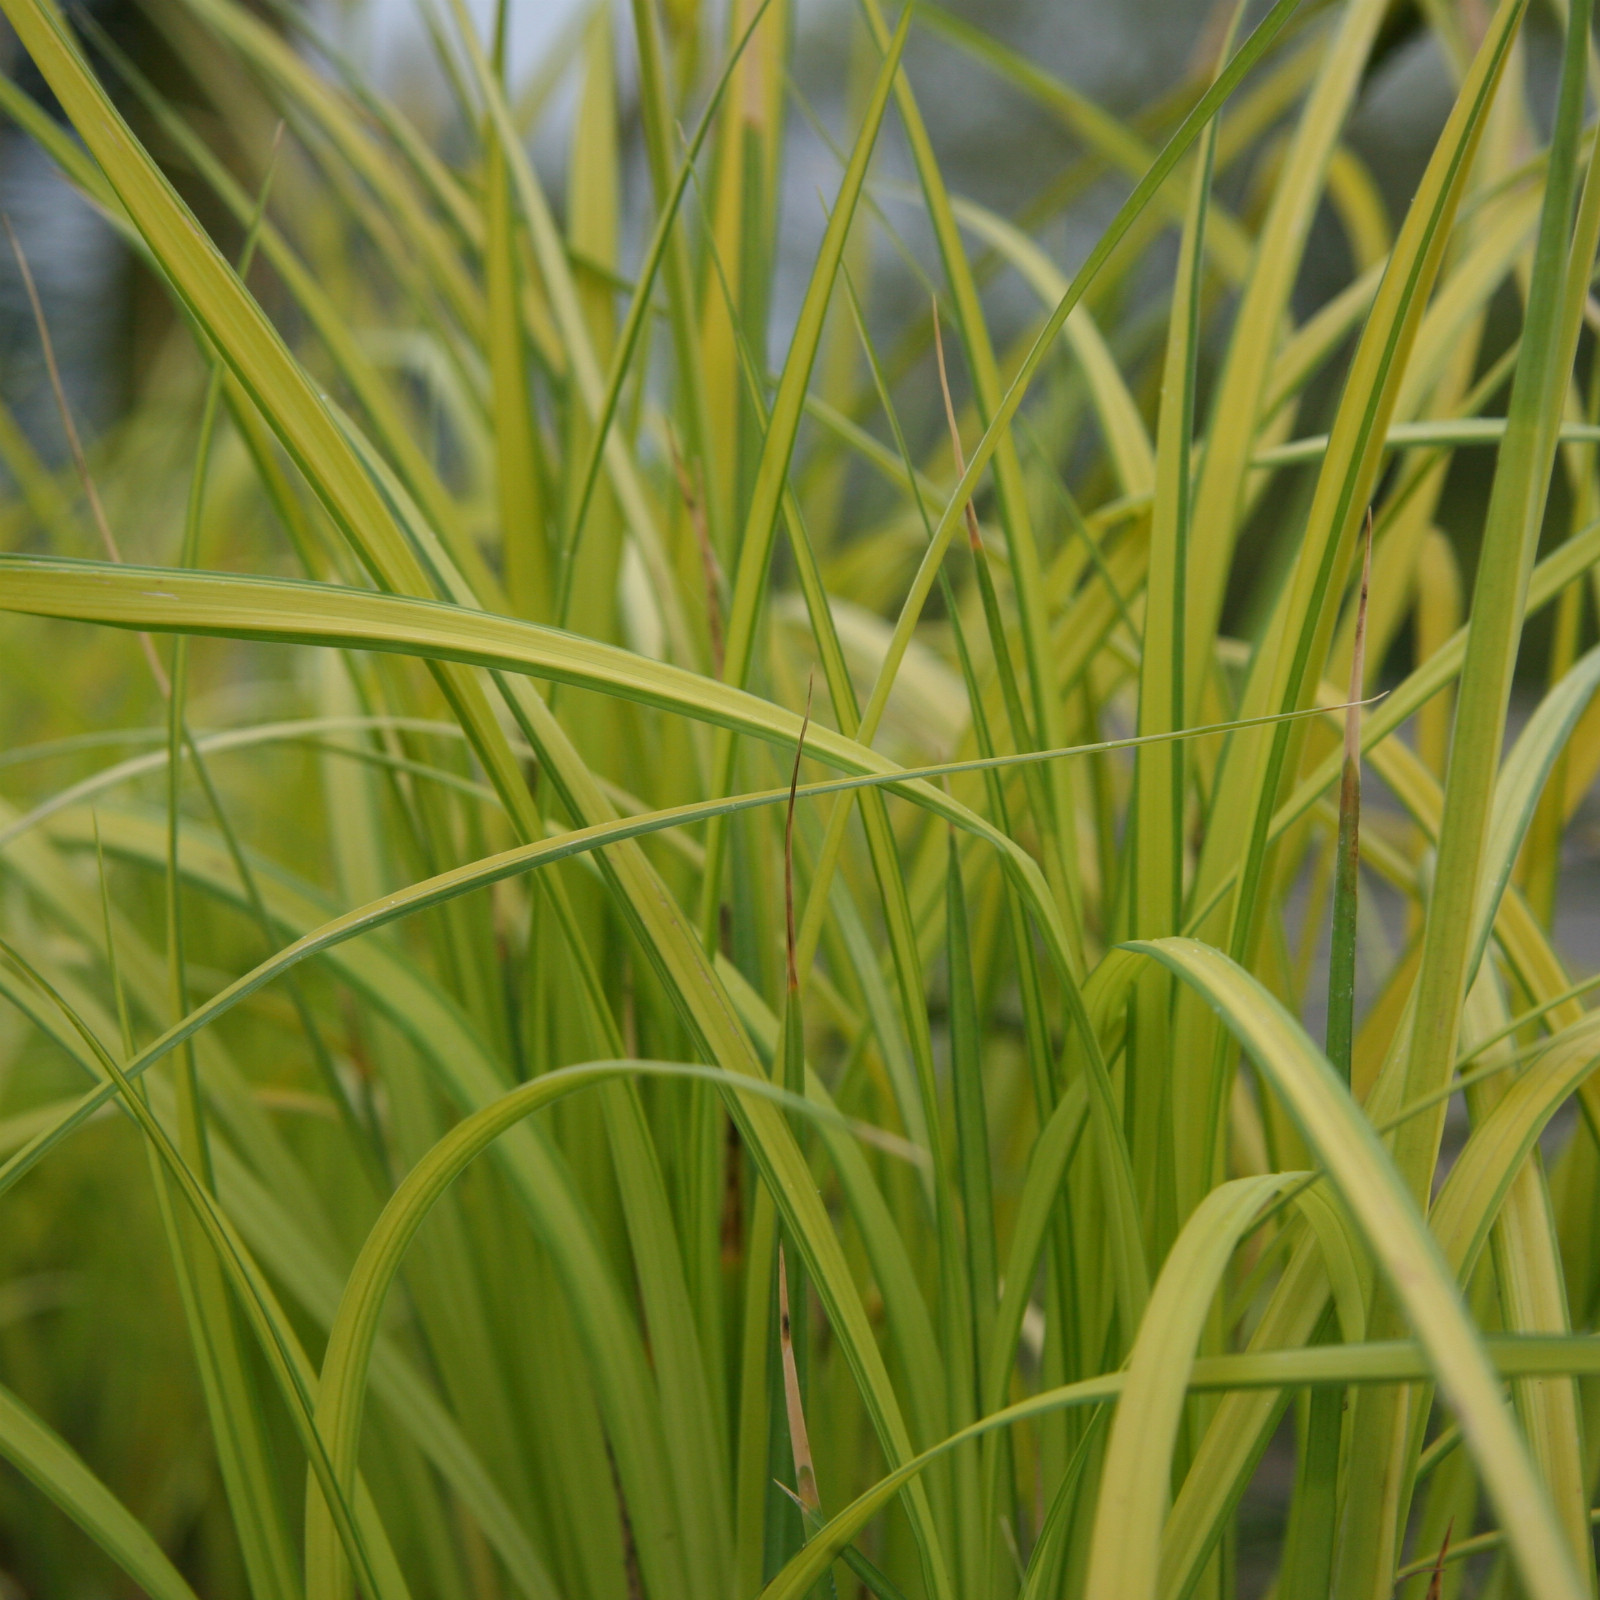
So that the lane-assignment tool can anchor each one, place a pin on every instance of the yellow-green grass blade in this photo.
(736, 231)
(471, 1076)
(1012, 501)
(1242, 385)
(1124, 428)
(656, 97)
(997, 430)
(342, 1389)
(524, 533)
(1132, 1502)
(1157, 853)
(1309, 1540)
(53, 1467)
(1346, 1263)
(754, 553)
(1155, 862)
(1290, 650)
(258, 358)
(306, 91)
(1340, 1034)
(550, 255)
(273, 1331)
(1531, 1287)
(1241, 1426)
(1521, 782)
(1377, 1199)
(384, 988)
(296, 611)
(1470, 1197)
(683, 966)
(1511, 534)
(1558, 569)
(972, 1120)
(591, 232)
(666, 254)
(296, 1256)
(211, 290)
(1376, 1362)
(357, 368)
(969, 1283)
(1454, 432)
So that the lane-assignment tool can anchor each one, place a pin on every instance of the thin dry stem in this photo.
(805, 1476)
(1435, 1583)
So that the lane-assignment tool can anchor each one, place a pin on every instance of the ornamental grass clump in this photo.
(665, 937)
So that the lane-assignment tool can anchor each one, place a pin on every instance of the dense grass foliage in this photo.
(634, 975)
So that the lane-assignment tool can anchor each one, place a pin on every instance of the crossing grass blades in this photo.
(504, 1096)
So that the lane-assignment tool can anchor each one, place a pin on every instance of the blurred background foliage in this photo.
(112, 320)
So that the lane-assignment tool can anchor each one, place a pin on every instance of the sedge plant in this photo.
(665, 939)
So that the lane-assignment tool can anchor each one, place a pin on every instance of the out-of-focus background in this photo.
(995, 147)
